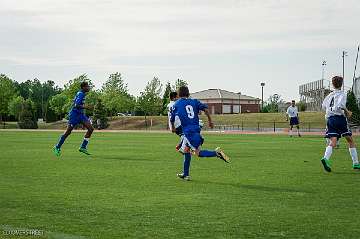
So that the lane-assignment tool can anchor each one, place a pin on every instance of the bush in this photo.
(27, 118)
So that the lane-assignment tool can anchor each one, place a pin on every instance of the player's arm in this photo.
(341, 104)
(172, 120)
(207, 113)
(204, 107)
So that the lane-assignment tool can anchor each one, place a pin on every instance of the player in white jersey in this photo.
(293, 114)
(177, 123)
(337, 126)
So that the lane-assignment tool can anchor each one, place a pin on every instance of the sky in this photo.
(229, 44)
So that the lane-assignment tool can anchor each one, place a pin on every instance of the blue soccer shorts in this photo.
(337, 126)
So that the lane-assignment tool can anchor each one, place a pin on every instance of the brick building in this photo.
(226, 102)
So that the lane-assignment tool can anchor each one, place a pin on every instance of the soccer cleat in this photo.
(220, 154)
(356, 166)
(326, 164)
(57, 151)
(84, 151)
(181, 175)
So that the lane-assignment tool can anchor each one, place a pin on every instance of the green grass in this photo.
(274, 188)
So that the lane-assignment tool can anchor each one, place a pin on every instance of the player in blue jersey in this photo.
(187, 110)
(77, 116)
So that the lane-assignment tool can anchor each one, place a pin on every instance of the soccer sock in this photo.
(327, 141)
(61, 141)
(187, 160)
(207, 154)
(290, 132)
(354, 155)
(85, 143)
(328, 152)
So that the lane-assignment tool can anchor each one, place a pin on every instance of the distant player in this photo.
(293, 115)
(188, 112)
(337, 125)
(177, 123)
(77, 116)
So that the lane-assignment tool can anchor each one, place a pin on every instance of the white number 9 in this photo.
(190, 111)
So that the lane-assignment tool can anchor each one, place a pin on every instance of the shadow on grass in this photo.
(259, 187)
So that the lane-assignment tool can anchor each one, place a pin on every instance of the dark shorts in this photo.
(179, 131)
(294, 121)
(76, 118)
(337, 126)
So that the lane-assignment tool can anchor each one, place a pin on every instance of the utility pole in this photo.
(262, 95)
(344, 53)
(323, 69)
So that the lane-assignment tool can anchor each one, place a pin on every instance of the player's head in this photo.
(293, 103)
(85, 86)
(173, 95)
(184, 92)
(337, 82)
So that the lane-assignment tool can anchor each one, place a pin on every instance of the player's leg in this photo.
(298, 130)
(290, 130)
(328, 152)
(90, 130)
(57, 147)
(353, 152)
(187, 160)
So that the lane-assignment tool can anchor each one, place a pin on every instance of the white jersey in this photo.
(177, 122)
(292, 111)
(334, 103)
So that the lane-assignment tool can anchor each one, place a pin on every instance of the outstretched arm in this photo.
(207, 113)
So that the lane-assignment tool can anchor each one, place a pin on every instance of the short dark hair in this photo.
(83, 84)
(184, 91)
(293, 101)
(337, 82)
(173, 95)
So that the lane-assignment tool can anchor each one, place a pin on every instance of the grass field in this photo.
(274, 188)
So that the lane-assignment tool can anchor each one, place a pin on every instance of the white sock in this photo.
(327, 141)
(354, 155)
(328, 152)
(290, 132)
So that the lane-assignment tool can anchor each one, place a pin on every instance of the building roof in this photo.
(220, 94)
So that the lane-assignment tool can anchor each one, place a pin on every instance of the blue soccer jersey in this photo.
(188, 112)
(78, 101)
(77, 114)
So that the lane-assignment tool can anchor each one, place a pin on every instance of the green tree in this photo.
(150, 101)
(115, 95)
(15, 106)
(178, 84)
(301, 106)
(99, 116)
(27, 117)
(73, 86)
(353, 106)
(272, 105)
(58, 103)
(166, 97)
(8, 91)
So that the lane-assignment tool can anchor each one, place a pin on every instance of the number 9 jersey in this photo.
(188, 112)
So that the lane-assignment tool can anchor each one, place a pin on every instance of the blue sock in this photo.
(61, 141)
(207, 154)
(84, 143)
(187, 160)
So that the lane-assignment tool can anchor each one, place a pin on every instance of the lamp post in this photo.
(323, 69)
(344, 53)
(239, 102)
(262, 95)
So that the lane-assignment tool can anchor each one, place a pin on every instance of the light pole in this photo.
(262, 95)
(323, 69)
(344, 53)
(239, 102)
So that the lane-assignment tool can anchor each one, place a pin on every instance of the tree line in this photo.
(32, 99)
